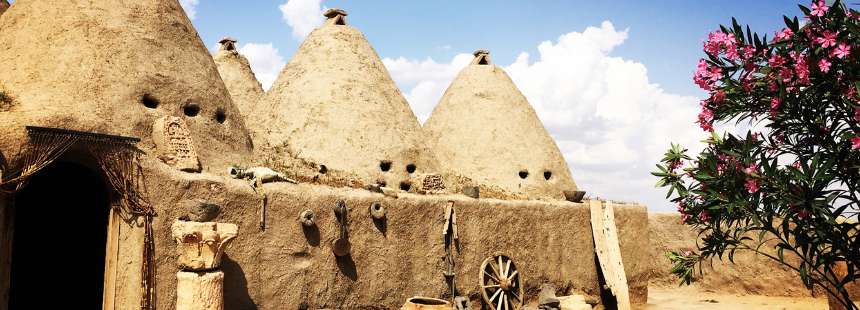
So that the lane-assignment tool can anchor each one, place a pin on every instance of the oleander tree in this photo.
(782, 179)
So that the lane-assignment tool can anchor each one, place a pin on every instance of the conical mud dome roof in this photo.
(237, 75)
(485, 129)
(335, 104)
(114, 67)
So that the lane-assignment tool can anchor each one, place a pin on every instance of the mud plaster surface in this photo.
(335, 104)
(750, 275)
(289, 265)
(89, 68)
(486, 130)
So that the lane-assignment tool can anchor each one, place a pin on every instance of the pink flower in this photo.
(824, 65)
(706, 119)
(775, 103)
(841, 51)
(776, 60)
(675, 165)
(688, 253)
(752, 168)
(748, 52)
(747, 83)
(855, 143)
(751, 186)
(719, 41)
(801, 67)
(783, 35)
(819, 8)
(732, 53)
(796, 164)
(786, 74)
(850, 92)
(705, 76)
(718, 97)
(857, 114)
(704, 216)
(685, 217)
(827, 39)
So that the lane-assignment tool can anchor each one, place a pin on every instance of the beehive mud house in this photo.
(116, 122)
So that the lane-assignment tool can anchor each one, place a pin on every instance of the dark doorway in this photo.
(58, 246)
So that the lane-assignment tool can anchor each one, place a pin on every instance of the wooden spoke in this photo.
(494, 295)
(492, 277)
(497, 295)
(505, 301)
(516, 296)
(495, 271)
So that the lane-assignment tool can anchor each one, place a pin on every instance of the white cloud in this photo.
(425, 79)
(609, 120)
(266, 61)
(302, 15)
(190, 7)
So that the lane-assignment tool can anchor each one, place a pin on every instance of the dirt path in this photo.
(687, 299)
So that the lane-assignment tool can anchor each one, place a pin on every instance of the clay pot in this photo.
(426, 303)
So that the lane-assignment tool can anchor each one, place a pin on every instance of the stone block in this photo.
(174, 144)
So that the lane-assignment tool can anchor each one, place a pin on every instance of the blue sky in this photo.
(664, 35)
(611, 80)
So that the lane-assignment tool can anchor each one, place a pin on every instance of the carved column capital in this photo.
(200, 245)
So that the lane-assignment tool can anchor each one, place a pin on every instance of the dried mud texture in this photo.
(87, 65)
(750, 274)
(486, 130)
(336, 105)
(235, 71)
(286, 265)
(633, 231)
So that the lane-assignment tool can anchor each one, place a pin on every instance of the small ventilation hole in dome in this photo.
(220, 116)
(405, 186)
(323, 169)
(483, 61)
(191, 109)
(149, 101)
(410, 168)
(385, 165)
(524, 174)
(547, 175)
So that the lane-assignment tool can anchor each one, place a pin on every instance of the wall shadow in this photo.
(382, 226)
(236, 295)
(312, 234)
(347, 267)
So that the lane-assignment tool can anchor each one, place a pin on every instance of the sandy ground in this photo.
(690, 299)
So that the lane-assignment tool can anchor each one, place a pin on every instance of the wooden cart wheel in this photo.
(501, 284)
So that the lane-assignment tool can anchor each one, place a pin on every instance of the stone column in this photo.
(200, 283)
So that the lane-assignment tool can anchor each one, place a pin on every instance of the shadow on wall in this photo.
(347, 267)
(236, 286)
(312, 234)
